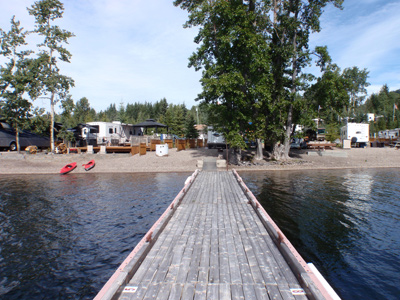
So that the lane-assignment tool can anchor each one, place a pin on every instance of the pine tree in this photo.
(190, 130)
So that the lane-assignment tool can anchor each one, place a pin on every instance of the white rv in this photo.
(356, 132)
(215, 140)
(392, 134)
(110, 133)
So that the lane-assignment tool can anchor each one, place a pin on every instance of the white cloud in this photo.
(129, 50)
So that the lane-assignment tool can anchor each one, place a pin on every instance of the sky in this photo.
(127, 51)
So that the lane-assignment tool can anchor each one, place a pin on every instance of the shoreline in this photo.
(12, 163)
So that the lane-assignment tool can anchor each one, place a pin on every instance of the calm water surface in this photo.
(346, 222)
(62, 237)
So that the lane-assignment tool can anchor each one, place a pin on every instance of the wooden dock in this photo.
(214, 242)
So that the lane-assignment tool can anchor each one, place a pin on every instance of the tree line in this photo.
(385, 105)
(179, 119)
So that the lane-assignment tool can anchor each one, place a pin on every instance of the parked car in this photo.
(26, 138)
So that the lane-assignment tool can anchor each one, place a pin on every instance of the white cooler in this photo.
(162, 150)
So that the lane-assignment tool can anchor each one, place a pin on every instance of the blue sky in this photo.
(128, 51)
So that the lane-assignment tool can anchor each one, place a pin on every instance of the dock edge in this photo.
(129, 266)
(315, 288)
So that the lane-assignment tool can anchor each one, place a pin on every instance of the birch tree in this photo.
(55, 86)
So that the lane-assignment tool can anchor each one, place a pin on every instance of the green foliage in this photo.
(15, 78)
(83, 113)
(234, 57)
(332, 132)
(40, 122)
(53, 85)
(252, 66)
(328, 96)
(190, 131)
(175, 118)
(356, 81)
(66, 135)
(383, 105)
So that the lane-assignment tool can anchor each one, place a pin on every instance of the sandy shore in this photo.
(186, 161)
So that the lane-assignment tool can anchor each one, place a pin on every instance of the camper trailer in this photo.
(392, 134)
(215, 140)
(110, 133)
(357, 133)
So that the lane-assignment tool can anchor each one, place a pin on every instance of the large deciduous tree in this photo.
(356, 86)
(293, 23)
(54, 85)
(233, 54)
(328, 95)
(252, 65)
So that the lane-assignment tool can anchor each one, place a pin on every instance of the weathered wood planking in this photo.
(215, 246)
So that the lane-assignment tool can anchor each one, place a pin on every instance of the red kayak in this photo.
(68, 168)
(90, 165)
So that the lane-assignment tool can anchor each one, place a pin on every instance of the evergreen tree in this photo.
(67, 119)
(111, 113)
(190, 130)
(82, 111)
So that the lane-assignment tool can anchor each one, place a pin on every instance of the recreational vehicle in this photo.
(356, 132)
(109, 133)
(392, 134)
(215, 140)
(26, 138)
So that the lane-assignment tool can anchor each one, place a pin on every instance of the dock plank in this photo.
(214, 247)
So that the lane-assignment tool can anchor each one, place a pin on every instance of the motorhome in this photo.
(26, 138)
(358, 133)
(109, 133)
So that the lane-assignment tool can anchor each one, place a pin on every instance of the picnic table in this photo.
(321, 146)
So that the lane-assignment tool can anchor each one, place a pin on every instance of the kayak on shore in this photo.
(90, 165)
(68, 168)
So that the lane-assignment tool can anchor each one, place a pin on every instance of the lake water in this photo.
(347, 222)
(62, 237)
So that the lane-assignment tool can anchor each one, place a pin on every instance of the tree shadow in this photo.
(205, 152)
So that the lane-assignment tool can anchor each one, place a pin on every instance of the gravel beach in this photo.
(187, 161)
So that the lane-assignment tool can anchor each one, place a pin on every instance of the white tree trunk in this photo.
(259, 151)
(52, 123)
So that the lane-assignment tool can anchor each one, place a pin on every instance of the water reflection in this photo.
(344, 221)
